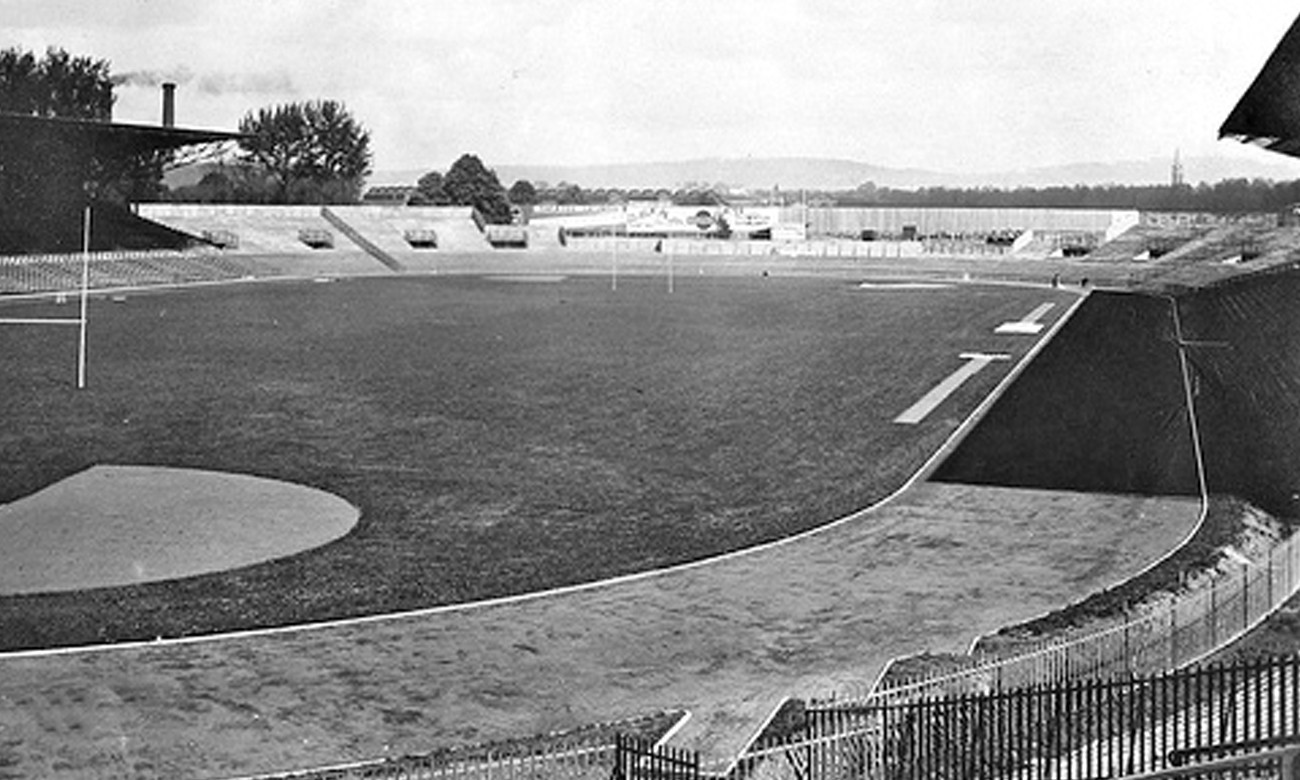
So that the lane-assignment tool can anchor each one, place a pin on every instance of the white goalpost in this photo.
(85, 287)
(79, 321)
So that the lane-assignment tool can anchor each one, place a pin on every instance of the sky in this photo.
(963, 86)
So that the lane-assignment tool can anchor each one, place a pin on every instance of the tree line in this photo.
(316, 151)
(55, 85)
(1227, 196)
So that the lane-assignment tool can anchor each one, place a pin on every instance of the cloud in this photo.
(923, 83)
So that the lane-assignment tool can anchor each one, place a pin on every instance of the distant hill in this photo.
(793, 173)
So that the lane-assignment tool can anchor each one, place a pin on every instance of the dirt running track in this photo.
(726, 641)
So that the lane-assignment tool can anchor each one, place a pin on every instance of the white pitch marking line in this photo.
(1029, 325)
(975, 362)
(38, 321)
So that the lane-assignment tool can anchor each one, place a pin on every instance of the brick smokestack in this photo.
(169, 104)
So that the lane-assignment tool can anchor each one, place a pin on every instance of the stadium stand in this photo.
(1235, 244)
(953, 222)
(357, 237)
(545, 237)
(47, 163)
(365, 239)
(375, 224)
(244, 228)
(1145, 242)
(507, 236)
(257, 229)
(45, 273)
(339, 262)
(114, 226)
(458, 233)
(1032, 244)
(388, 227)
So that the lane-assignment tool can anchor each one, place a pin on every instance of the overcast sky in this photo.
(949, 85)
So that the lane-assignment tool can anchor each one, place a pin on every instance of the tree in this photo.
(469, 183)
(315, 151)
(48, 177)
(228, 183)
(522, 193)
(58, 85)
(431, 189)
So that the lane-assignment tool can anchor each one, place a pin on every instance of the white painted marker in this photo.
(975, 362)
(1029, 325)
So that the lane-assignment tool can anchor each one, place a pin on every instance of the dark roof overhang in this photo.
(115, 136)
(1268, 114)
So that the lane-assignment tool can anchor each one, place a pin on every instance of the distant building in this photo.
(390, 195)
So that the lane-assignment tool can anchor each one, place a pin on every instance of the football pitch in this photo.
(499, 436)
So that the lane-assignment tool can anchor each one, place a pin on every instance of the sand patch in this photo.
(123, 525)
(533, 278)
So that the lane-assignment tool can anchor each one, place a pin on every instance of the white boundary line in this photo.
(676, 727)
(753, 737)
(921, 473)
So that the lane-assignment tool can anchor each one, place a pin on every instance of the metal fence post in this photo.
(1212, 614)
(1173, 635)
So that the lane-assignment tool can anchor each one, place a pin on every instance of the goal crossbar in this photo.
(37, 321)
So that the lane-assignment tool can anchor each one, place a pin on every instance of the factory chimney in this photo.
(169, 104)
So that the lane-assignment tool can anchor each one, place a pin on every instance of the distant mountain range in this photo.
(792, 173)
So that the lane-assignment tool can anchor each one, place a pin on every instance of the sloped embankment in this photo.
(1243, 341)
(1104, 409)
(1101, 409)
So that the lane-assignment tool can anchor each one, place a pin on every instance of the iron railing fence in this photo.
(1184, 630)
(641, 759)
(1088, 728)
(589, 753)
(1270, 764)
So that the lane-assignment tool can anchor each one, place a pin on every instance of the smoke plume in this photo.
(213, 83)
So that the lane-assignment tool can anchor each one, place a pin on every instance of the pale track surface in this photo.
(726, 640)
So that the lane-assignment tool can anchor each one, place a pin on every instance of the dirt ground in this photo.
(726, 640)
(122, 525)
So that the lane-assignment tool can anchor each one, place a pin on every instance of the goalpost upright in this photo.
(79, 321)
(85, 286)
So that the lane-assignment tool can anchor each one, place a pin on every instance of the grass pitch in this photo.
(499, 437)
